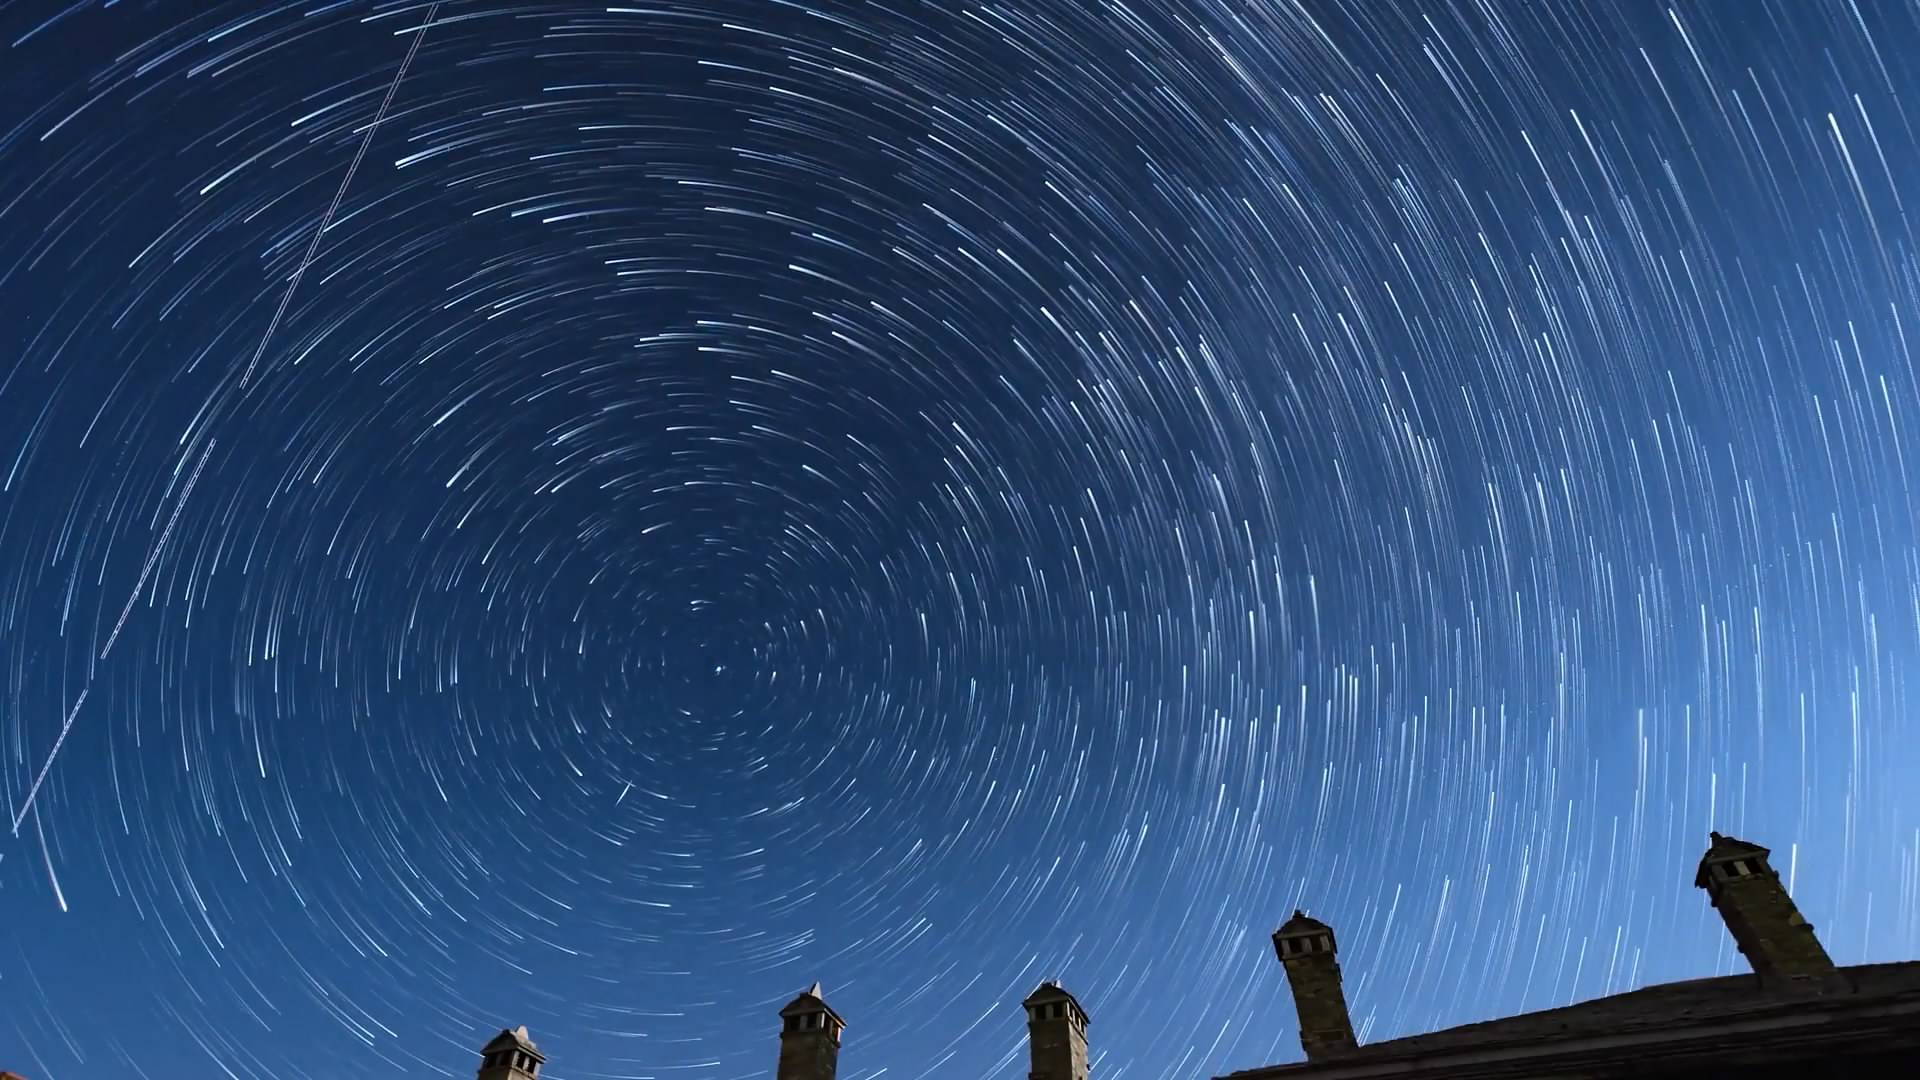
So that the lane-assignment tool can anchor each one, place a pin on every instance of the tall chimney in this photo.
(1770, 931)
(1056, 1034)
(809, 1038)
(1306, 948)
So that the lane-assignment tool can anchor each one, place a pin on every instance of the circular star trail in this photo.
(931, 497)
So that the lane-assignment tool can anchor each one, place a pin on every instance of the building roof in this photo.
(1654, 1019)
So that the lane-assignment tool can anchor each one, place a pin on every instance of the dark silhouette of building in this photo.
(1797, 1015)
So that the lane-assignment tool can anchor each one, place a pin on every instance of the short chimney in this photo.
(809, 1038)
(1776, 940)
(1306, 948)
(1056, 1034)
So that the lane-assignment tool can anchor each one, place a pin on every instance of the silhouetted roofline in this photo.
(1672, 1020)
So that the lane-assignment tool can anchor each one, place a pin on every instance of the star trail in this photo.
(596, 517)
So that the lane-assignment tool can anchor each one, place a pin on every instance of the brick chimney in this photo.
(1770, 931)
(809, 1038)
(1305, 946)
(1056, 1034)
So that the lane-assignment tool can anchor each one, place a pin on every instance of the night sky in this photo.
(598, 516)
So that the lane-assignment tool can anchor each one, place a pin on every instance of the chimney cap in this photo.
(517, 1039)
(1302, 925)
(809, 1001)
(1051, 991)
(1725, 849)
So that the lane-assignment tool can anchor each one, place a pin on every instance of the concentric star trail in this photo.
(293, 286)
(597, 516)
